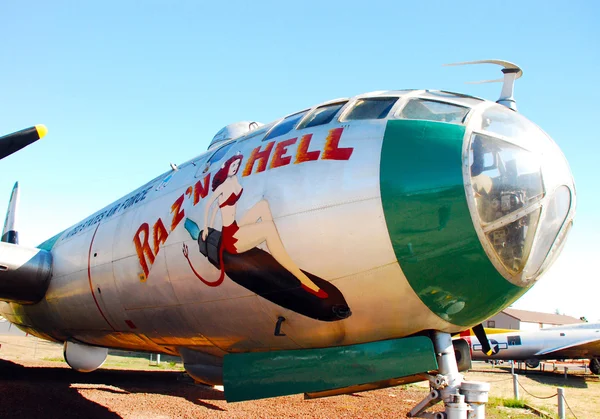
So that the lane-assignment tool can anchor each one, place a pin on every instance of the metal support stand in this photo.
(448, 386)
(154, 360)
(561, 403)
(476, 396)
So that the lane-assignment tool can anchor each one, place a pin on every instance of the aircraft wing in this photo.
(586, 348)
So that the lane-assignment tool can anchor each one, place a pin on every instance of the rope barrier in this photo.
(548, 397)
(569, 407)
(534, 396)
(499, 381)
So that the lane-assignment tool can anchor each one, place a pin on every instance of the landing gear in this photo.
(595, 366)
(459, 396)
(532, 363)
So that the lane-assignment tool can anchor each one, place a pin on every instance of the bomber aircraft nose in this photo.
(520, 192)
(476, 209)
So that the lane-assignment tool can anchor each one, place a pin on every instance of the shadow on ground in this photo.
(47, 392)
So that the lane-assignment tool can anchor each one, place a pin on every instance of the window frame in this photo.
(351, 105)
(264, 129)
(513, 340)
(418, 98)
(282, 120)
(339, 112)
(205, 166)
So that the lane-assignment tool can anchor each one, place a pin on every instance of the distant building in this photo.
(512, 318)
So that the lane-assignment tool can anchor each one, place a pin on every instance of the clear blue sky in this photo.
(126, 87)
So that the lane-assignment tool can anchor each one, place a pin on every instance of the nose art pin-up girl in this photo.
(254, 228)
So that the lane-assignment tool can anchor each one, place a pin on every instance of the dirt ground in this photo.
(47, 389)
(581, 389)
(35, 382)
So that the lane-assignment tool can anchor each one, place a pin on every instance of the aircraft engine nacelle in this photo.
(84, 358)
(24, 273)
(202, 367)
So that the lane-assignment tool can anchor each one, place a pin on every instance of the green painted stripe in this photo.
(257, 375)
(430, 226)
(49, 244)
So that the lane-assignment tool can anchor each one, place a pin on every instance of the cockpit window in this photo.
(220, 153)
(506, 182)
(431, 110)
(322, 115)
(555, 213)
(504, 177)
(500, 120)
(285, 126)
(216, 157)
(257, 132)
(513, 242)
(371, 108)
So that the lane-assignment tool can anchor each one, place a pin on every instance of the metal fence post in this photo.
(561, 403)
(516, 385)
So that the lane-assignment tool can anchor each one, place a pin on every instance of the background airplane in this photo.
(562, 342)
(337, 246)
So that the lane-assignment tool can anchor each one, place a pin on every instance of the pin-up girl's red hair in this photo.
(222, 173)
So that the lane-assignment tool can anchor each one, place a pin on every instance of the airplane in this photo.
(580, 341)
(334, 249)
(11, 143)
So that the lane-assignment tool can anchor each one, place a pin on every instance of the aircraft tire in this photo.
(595, 366)
(532, 363)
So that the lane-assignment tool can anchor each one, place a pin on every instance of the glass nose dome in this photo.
(521, 193)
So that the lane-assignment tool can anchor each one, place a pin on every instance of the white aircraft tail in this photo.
(10, 233)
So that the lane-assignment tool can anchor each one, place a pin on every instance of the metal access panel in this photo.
(258, 375)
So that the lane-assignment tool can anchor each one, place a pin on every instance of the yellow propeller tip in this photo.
(490, 352)
(41, 130)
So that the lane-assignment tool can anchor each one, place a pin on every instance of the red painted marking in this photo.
(200, 190)
(143, 248)
(160, 234)
(177, 212)
(302, 154)
(261, 156)
(279, 158)
(90, 279)
(130, 324)
(332, 150)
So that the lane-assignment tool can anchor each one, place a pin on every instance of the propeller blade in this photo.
(479, 331)
(17, 140)
(506, 64)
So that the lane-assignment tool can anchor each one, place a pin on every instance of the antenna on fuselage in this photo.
(511, 73)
